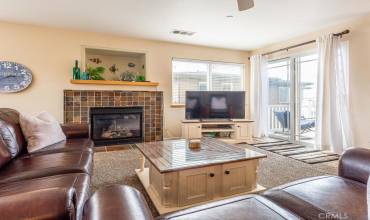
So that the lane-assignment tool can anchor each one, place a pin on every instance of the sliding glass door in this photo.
(292, 98)
(306, 98)
(280, 106)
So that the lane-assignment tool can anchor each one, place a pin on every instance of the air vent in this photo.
(182, 32)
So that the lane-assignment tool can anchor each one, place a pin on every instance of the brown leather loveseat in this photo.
(52, 183)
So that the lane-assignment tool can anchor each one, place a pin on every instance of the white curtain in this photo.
(259, 95)
(333, 130)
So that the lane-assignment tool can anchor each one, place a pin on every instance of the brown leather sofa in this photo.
(324, 197)
(52, 183)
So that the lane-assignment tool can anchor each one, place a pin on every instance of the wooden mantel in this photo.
(110, 82)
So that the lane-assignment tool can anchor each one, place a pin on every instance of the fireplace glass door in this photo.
(116, 125)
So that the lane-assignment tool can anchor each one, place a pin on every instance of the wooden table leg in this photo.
(142, 166)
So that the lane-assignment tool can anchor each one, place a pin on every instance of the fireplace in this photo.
(77, 105)
(116, 125)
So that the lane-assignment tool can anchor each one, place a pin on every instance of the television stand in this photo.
(228, 130)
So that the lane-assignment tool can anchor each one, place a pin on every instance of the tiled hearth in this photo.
(78, 102)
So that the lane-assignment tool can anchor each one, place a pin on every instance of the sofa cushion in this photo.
(246, 207)
(11, 136)
(79, 181)
(117, 202)
(35, 204)
(40, 130)
(322, 198)
(35, 166)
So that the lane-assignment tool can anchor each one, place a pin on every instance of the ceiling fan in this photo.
(245, 4)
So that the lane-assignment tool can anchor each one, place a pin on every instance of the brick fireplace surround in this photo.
(78, 102)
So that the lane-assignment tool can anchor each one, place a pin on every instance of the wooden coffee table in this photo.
(178, 177)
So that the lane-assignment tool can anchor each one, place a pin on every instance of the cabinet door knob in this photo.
(211, 174)
(227, 172)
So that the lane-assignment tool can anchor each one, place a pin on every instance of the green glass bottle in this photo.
(76, 71)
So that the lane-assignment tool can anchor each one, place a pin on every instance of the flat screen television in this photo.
(215, 105)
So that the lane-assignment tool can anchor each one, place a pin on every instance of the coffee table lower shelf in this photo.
(144, 179)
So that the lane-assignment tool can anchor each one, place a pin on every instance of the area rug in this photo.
(299, 152)
(118, 167)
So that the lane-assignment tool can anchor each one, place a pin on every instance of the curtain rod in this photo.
(340, 34)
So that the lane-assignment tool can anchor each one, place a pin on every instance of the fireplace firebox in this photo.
(116, 125)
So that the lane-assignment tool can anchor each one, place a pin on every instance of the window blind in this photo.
(193, 75)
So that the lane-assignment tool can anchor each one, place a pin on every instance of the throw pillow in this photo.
(40, 130)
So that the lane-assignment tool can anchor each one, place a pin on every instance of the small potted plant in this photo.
(140, 78)
(96, 73)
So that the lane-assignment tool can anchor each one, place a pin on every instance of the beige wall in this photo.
(359, 45)
(50, 54)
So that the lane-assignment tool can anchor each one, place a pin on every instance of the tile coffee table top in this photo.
(174, 155)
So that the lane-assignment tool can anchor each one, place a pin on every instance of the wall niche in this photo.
(119, 65)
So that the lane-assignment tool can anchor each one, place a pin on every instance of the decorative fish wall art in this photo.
(131, 65)
(113, 68)
(95, 60)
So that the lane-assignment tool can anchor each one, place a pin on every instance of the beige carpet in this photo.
(117, 167)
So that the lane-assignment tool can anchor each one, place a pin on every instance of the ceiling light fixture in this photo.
(245, 4)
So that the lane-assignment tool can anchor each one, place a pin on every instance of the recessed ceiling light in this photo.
(182, 32)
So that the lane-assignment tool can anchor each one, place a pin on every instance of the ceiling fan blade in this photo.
(245, 4)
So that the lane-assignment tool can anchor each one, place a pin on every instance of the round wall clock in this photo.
(14, 77)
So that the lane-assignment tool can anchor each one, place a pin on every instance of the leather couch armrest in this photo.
(117, 202)
(51, 203)
(355, 164)
(73, 131)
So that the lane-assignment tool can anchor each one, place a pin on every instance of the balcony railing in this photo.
(273, 122)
